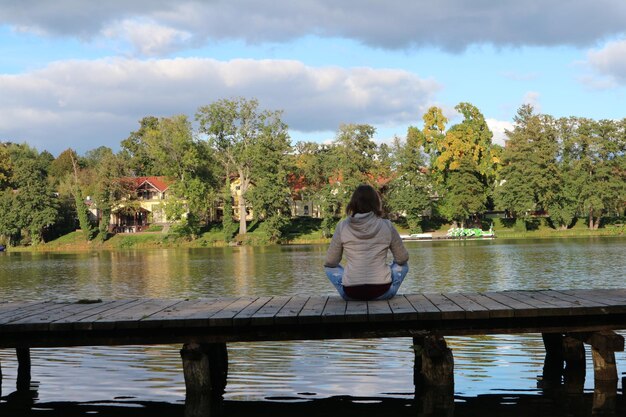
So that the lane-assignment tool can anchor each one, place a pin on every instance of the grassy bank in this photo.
(300, 231)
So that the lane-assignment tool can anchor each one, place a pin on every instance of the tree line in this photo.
(560, 167)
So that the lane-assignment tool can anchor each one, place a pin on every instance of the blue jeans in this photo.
(398, 272)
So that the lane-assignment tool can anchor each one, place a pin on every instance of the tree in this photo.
(34, 207)
(461, 159)
(234, 129)
(356, 153)
(317, 167)
(108, 186)
(409, 189)
(5, 166)
(270, 195)
(596, 155)
(135, 150)
(82, 210)
(529, 179)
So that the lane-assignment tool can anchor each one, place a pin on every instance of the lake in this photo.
(300, 377)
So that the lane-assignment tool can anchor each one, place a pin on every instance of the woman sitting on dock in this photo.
(364, 238)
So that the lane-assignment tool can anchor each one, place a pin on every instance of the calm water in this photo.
(501, 367)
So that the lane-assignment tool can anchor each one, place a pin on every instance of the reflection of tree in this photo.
(160, 273)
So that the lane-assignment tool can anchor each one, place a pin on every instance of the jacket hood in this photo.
(364, 226)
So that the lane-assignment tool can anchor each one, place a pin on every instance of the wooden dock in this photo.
(565, 318)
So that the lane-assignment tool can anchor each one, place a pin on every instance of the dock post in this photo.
(0, 379)
(434, 363)
(575, 364)
(603, 347)
(23, 369)
(433, 376)
(205, 366)
(554, 360)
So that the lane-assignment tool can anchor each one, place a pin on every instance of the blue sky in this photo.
(81, 74)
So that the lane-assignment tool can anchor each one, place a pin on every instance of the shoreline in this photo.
(74, 242)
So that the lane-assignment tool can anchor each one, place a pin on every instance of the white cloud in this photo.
(608, 62)
(85, 104)
(448, 24)
(532, 98)
(147, 38)
(498, 128)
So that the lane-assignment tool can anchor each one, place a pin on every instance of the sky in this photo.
(81, 74)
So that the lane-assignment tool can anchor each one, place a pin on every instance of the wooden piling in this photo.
(434, 363)
(23, 369)
(575, 364)
(554, 360)
(603, 347)
(205, 367)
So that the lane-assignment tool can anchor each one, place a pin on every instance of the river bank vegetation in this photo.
(554, 176)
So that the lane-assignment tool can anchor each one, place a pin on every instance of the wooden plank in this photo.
(542, 308)
(290, 311)
(334, 310)
(68, 322)
(402, 308)
(25, 310)
(520, 309)
(472, 309)
(129, 318)
(449, 310)
(42, 321)
(379, 311)
(87, 323)
(265, 315)
(243, 317)
(425, 309)
(312, 310)
(25, 313)
(496, 309)
(224, 317)
(9, 306)
(356, 312)
(189, 313)
(615, 302)
(579, 302)
(568, 306)
(613, 295)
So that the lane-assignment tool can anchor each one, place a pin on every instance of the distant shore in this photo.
(304, 232)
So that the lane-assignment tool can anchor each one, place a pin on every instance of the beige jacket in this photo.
(364, 240)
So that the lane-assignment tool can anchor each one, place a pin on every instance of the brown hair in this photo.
(365, 199)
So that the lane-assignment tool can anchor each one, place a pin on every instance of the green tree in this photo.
(34, 205)
(135, 150)
(234, 128)
(530, 179)
(410, 187)
(271, 166)
(462, 159)
(108, 186)
(596, 153)
(5, 166)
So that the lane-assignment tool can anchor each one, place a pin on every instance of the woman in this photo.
(364, 239)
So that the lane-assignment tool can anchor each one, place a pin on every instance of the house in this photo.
(235, 192)
(145, 206)
(301, 201)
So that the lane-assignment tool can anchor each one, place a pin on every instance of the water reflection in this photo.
(519, 404)
(499, 366)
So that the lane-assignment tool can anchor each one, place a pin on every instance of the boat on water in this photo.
(454, 233)
(2, 248)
